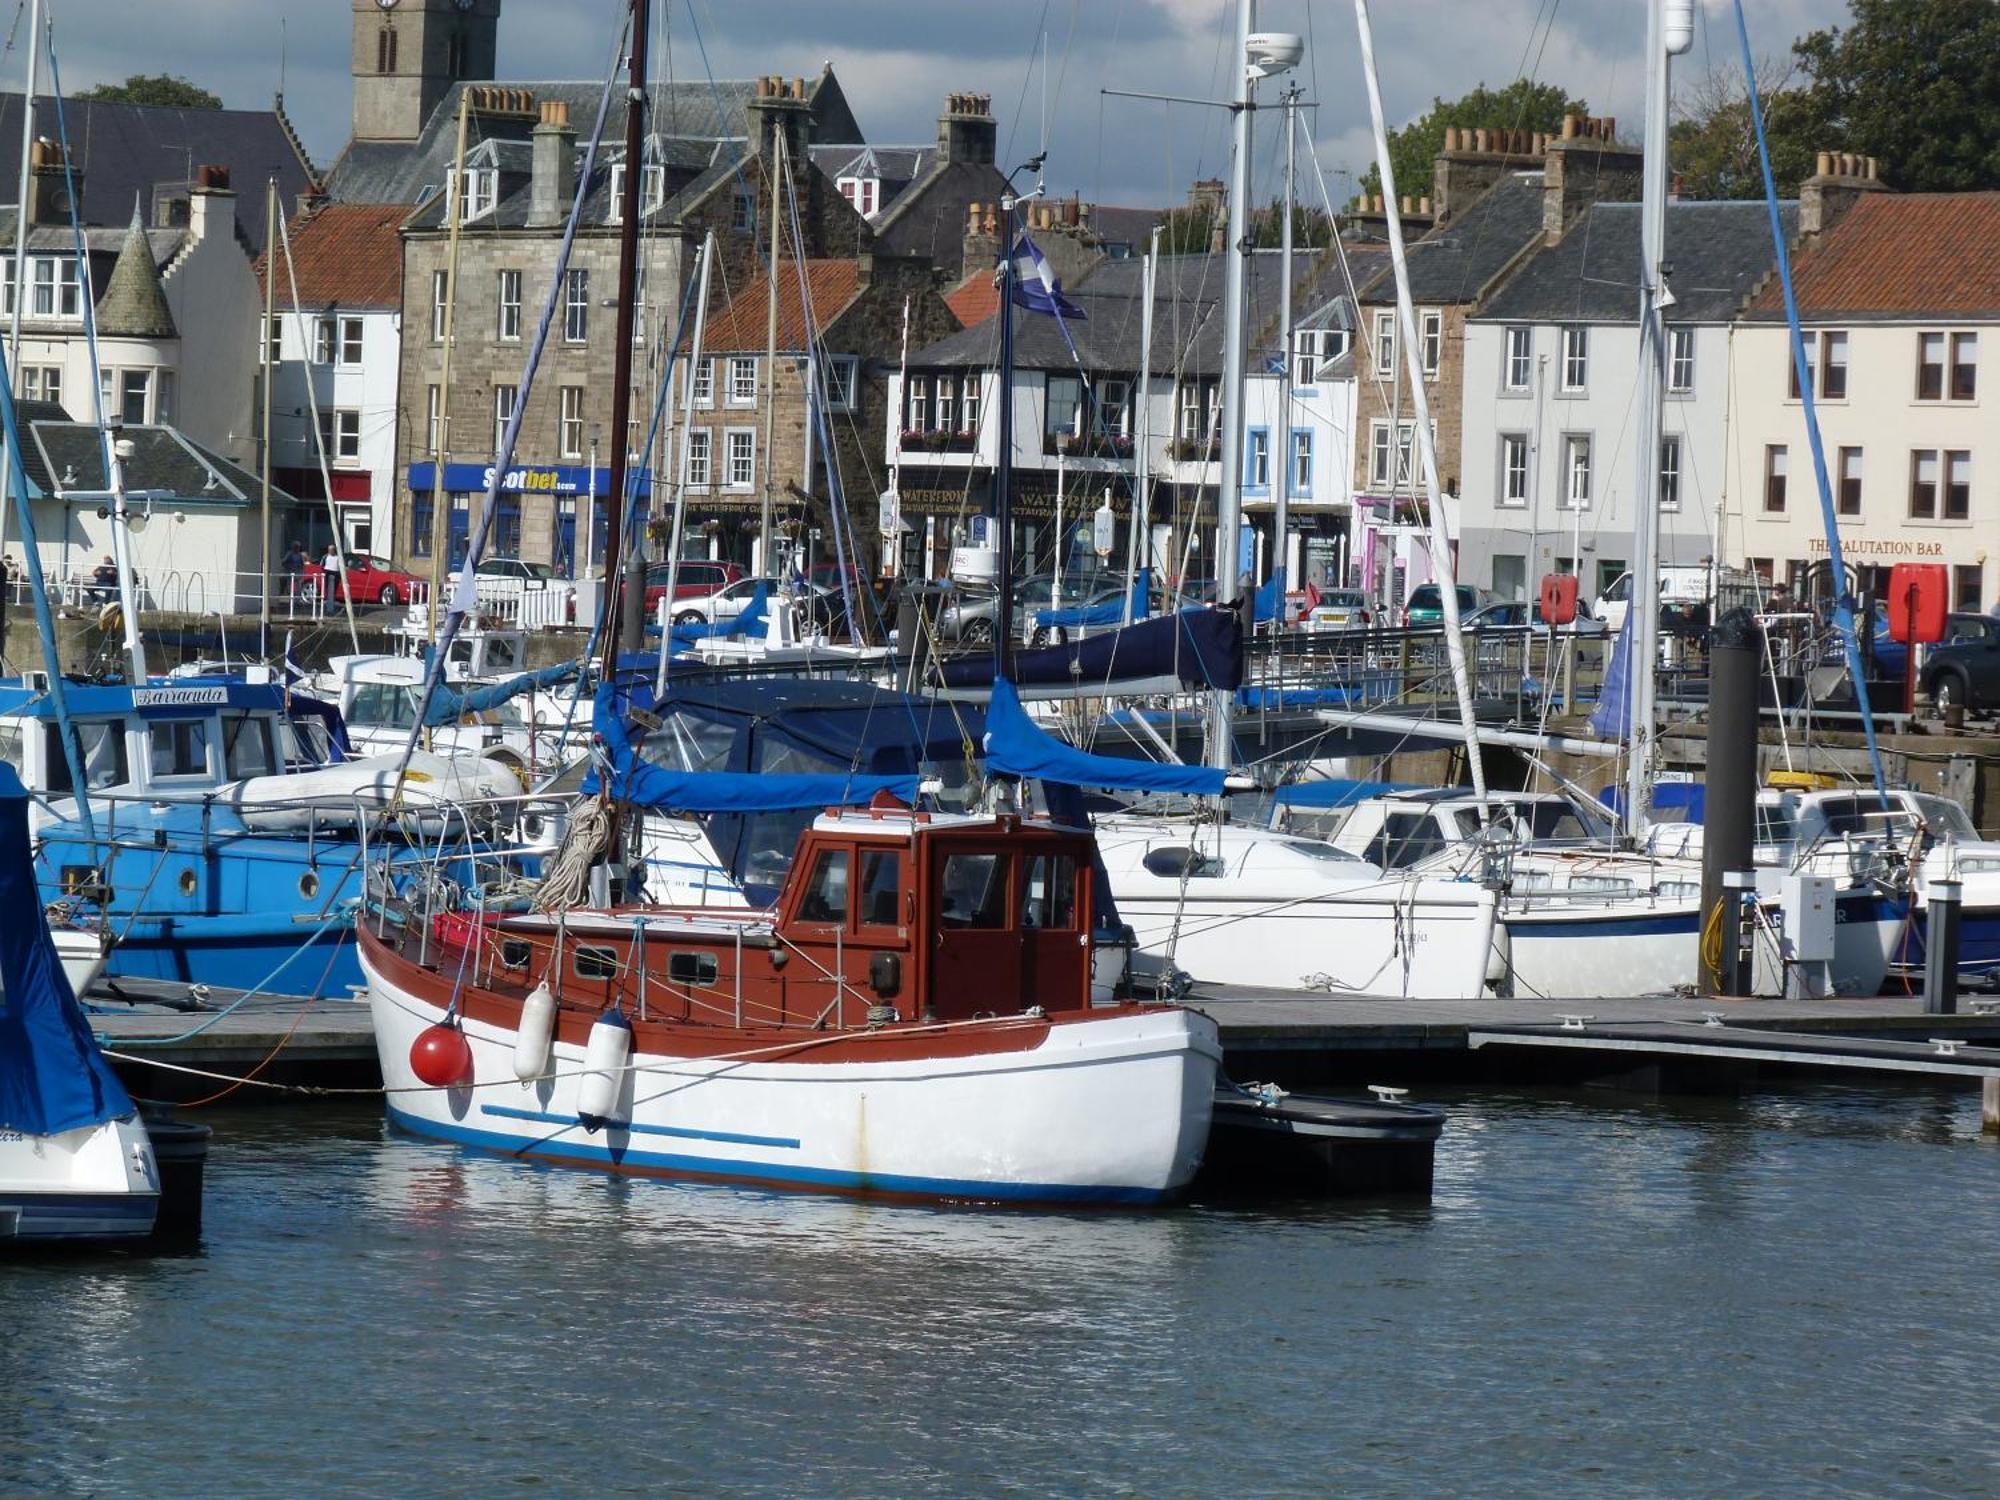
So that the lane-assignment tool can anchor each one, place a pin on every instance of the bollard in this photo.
(1729, 825)
(1989, 1104)
(1739, 887)
(1941, 948)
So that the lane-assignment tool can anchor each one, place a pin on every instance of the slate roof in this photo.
(133, 303)
(64, 455)
(122, 149)
(1895, 256)
(344, 255)
(708, 112)
(1716, 251)
(1132, 227)
(740, 327)
(1454, 262)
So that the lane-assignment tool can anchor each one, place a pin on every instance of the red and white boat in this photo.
(913, 1019)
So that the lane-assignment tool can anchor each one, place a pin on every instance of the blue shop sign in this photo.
(525, 479)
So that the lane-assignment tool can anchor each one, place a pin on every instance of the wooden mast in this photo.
(630, 600)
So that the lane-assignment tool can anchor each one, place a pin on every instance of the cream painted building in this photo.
(1899, 299)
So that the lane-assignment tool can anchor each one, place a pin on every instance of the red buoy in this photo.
(441, 1057)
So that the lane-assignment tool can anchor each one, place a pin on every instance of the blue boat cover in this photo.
(52, 1075)
(300, 706)
(1688, 798)
(1270, 601)
(450, 703)
(1612, 718)
(1105, 612)
(1202, 647)
(1016, 746)
(638, 781)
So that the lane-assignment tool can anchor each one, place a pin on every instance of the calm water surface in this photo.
(1792, 1294)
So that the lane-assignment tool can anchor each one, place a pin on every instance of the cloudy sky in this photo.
(897, 59)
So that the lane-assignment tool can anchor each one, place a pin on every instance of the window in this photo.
(700, 442)
(569, 424)
(274, 341)
(423, 520)
(504, 397)
(652, 192)
(825, 898)
(440, 299)
(1114, 408)
(1519, 363)
(1924, 484)
(694, 968)
(1964, 366)
(42, 383)
(576, 305)
(1958, 485)
(54, 291)
(1430, 341)
(133, 387)
(947, 393)
(1680, 361)
(510, 305)
(1312, 349)
(325, 337)
(1576, 471)
(1062, 413)
(1197, 412)
(165, 386)
(972, 891)
(1833, 366)
(865, 193)
(881, 889)
(1968, 587)
(742, 380)
(1257, 462)
(180, 747)
(842, 374)
(350, 343)
(742, 211)
(596, 963)
(507, 525)
(1930, 367)
(100, 750)
(742, 453)
(969, 407)
(340, 435)
(1576, 358)
(917, 401)
(1776, 462)
(246, 746)
(433, 420)
(1670, 472)
(1048, 894)
(1302, 461)
(1385, 343)
(1849, 479)
(1513, 468)
(704, 382)
(482, 189)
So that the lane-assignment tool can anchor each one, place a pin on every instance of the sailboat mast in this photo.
(630, 599)
(1280, 455)
(441, 439)
(1003, 468)
(25, 181)
(270, 364)
(1229, 494)
(1141, 550)
(767, 514)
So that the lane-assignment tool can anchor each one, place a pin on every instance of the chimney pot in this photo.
(1451, 138)
(1479, 140)
(1424, 207)
(1570, 127)
(1610, 123)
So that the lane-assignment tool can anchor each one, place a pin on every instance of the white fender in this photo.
(535, 1033)
(601, 1088)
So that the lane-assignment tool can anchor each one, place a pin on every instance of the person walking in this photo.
(330, 572)
(293, 565)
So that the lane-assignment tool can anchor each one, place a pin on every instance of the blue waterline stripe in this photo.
(770, 1174)
(507, 1111)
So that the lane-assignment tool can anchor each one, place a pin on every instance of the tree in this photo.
(1915, 84)
(1188, 230)
(154, 88)
(1521, 105)
(1712, 147)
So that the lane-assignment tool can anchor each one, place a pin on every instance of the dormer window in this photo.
(865, 193)
(482, 191)
(651, 199)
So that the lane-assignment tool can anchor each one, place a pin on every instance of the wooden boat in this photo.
(912, 1019)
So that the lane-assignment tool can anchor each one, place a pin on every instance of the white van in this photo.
(1677, 586)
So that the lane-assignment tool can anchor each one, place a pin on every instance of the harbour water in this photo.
(1787, 1294)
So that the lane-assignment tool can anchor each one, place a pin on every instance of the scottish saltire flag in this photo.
(1035, 285)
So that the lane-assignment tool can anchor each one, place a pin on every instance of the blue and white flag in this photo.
(1035, 285)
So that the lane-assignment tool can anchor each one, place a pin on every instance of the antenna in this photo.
(1044, 156)
(281, 60)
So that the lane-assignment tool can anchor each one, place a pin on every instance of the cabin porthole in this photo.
(309, 884)
(188, 881)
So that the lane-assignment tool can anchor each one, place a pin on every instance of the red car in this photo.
(364, 579)
(694, 579)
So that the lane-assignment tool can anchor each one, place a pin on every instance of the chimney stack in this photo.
(552, 167)
(49, 192)
(1837, 184)
(967, 131)
(981, 250)
(1473, 160)
(1587, 165)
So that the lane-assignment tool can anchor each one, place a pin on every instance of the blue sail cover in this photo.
(451, 703)
(1017, 746)
(1201, 647)
(636, 780)
(1270, 601)
(52, 1076)
(1104, 612)
(1612, 718)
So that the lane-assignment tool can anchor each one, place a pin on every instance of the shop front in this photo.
(543, 513)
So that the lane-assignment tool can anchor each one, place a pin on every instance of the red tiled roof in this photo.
(344, 254)
(974, 299)
(1899, 254)
(831, 284)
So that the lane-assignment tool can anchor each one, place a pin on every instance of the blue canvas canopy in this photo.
(1194, 648)
(1016, 746)
(52, 1076)
(1103, 613)
(450, 703)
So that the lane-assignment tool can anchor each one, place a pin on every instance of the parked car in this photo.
(1341, 609)
(1678, 585)
(729, 602)
(696, 578)
(1964, 668)
(363, 579)
(1425, 606)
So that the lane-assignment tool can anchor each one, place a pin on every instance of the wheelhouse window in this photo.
(1048, 893)
(1576, 358)
(972, 891)
(180, 747)
(1777, 465)
(100, 748)
(246, 746)
(825, 898)
(881, 888)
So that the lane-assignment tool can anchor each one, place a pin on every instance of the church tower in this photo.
(408, 54)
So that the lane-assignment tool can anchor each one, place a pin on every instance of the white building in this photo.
(1899, 296)
(1549, 474)
(333, 417)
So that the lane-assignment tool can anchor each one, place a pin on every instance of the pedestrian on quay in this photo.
(104, 579)
(294, 564)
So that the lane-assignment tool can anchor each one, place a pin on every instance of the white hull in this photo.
(432, 789)
(83, 953)
(96, 1182)
(1113, 1109)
